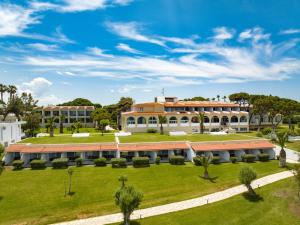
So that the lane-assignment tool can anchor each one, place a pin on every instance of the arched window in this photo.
(173, 120)
(243, 119)
(234, 119)
(152, 120)
(130, 120)
(215, 119)
(184, 119)
(141, 120)
(195, 119)
(206, 119)
(224, 120)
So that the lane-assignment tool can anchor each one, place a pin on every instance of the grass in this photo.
(67, 131)
(150, 137)
(278, 205)
(62, 139)
(37, 196)
(295, 145)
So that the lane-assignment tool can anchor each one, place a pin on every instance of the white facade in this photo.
(10, 132)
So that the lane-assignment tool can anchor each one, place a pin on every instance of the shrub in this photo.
(78, 162)
(233, 159)
(60, 163)
(37, 164)
(151, 130)
(266, 130)
(100, 161)
(248, 158)
(215, 160)
(298, 124)
(263, 157)
(176, 160)
(1, 148)
(259, 134)
(197, 161)
(118, 163)
(139, 162)
(297, 131)
(18, 164)
(157, 160)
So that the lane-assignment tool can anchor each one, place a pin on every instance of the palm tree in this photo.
(201, 120)
(51, 125)
(205, 161)
(61, 123)
(213, 99)
(11, 90)
(224, 98)
(3, 89)
(282, 138)
(123, 180)
(70, 173)
(218, 97)
(77, 126)
(162, 119)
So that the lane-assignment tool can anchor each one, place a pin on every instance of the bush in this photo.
(157, 160)
(297, 131)
(233, 159)
(100, 161)
(18, 164)
(197, 161)
(38, 164)
(151, 130)
(298, 124)
(118, 163)
(259, 134)
(78, 162)
(61, 163)
(263, 157)
(176, 160)
(215, 160)
(139, 162)
(1, 148)
(248, 158)
(266, 130)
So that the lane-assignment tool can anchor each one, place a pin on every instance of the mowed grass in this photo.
(68, 131)
(63, 139)
(150, 137)
(295, 145)
(37, 196)
(279, 204)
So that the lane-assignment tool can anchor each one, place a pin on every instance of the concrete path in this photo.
(182, 205)
(291, 155)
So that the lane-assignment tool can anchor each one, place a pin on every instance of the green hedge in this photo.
(78, 162)
(233, 159)
(151, 130)
(139, 162)
(248, 158)
(118, 163)
(216, 160)
(100, 162)
(259, 134)
(263, 157)
(37, 164)
(176, 160)
(157, 160)
(197, 161)
(18, 164)
(60, 163)
(266, 130)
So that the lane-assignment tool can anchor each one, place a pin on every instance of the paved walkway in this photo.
(291, 155)
(182, 205)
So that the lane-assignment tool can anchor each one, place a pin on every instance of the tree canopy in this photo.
(80, 102)
(197, 98)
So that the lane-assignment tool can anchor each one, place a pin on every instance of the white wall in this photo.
(10, 132)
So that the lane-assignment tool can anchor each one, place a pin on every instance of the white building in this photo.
(10, 132)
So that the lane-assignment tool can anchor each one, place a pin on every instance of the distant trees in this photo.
(246, 176)
(102, 125)
(80, 102)
(197, 98)
(32, 125)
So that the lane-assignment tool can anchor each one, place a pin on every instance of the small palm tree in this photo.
(205, 161)
(3, 89)
(218, 97)
(282, 138)
(201, 120)
(51, 125)
(70, 173)
(246, 176)
(224, 98)
(123, 180)
(61, 123)
(162, 120)
(77, 126)
(11, 90)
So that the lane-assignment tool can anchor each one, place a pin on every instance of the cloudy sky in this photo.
(105, 49)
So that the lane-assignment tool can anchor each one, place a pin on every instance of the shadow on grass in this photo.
(132, 223)
(252, 198)
(211, 179)
(1, 198)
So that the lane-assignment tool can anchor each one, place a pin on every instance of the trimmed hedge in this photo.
(264, 157)
(215, 160)
(100, 162)
(248, 158)
(18, 164)
(157, 160)
(233, 159)
(139, 162)
(38, 164)
(197, 161)
(266, 130)
(118, 163)
(176, 160)
(60, 163)
(151, 130)
(78, 162)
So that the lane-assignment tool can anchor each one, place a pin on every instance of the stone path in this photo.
(182, 205)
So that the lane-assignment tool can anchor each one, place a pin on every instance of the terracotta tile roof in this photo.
(153, 146)
(185, 113)
(200, 104)
(68, 107)
(24, 148)
(232, 145)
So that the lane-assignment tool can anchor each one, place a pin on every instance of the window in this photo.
(234, 119)
(55, 113)
(130, 120)
(243, 119)
(47, 113)
(152, 120)
(173, 120)
(224, 120)
(88, 113)
(65, 113)
(141, 120)
(184, 119)
(140, 109)
(206, 119)
(243, 129)
(80, 113)
(72, 113)
(215, 119)
(195, 119)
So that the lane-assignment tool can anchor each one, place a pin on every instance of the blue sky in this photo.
(104, 49)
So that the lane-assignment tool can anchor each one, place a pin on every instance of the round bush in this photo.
(18, 164)
(78, 162)
(248, 158)
(216, 160)
(151, 130)
(233, 159)
(60, 163)
(266, 130)
(259, 134)
(263, 157)
(197, 161)
(118, 163)
(37, 164)
(157, 160)
(100, 162)
(139, 162)
(176, 160)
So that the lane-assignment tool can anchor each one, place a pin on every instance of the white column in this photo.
(136, 154)
(8, 158)
(100, 154)
(26, 158)
(225, 156)
(170, 153)
(45, 156)
(118, 154)
(63, 155)
(153, 155)
(190, 154)
(239, 154)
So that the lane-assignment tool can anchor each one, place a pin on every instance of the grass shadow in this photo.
(1, 197)
(211, 179)
(252, 198)
(72, 193)
(132, 223)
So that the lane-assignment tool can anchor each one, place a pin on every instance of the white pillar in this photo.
(45, 156)
(83, 155)
(26, 158)
(100, 154)
(136, 154)
(170, 153)
(8, 158)
(118, 154)
(63, 155)
(239, 154)
(153, 155)
(255, 152)
(224, 156)
(190, 154)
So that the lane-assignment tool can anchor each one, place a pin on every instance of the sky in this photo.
(104, 49)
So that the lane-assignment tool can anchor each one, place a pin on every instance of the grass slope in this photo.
(279, 205)
(37, 197)
(295, 145)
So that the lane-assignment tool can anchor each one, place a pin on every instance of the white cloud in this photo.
(255, 34)
(98, 52)
(180, 82)
(44, 47)
(37, 86)
(50, 100)
(122, 2)
(131, 30)
(181, 41)
(127, 48)
(80, 5)
(223, 33)
(290, 31)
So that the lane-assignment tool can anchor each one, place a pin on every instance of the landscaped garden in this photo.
(38, 196)
(278, 205)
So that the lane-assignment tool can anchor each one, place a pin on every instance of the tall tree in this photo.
(201, 121)
(218, 97)
(246, 176)
(197, 98)
(3, 89)
(77, 126)
(282, 138)
(51, 124)
(100, 114)
(123, 105)
(224, 98)
(32, 125)
(103, 124)
(12, 90)
(70, 174)
(162, 120)
(261, 107)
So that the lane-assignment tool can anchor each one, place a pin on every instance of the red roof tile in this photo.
(152, 146)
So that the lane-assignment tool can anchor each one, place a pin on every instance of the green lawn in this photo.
(66, 131)
(148, 137)
(279, 205)
(295, 145)
(37, 197)
(60, 139)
